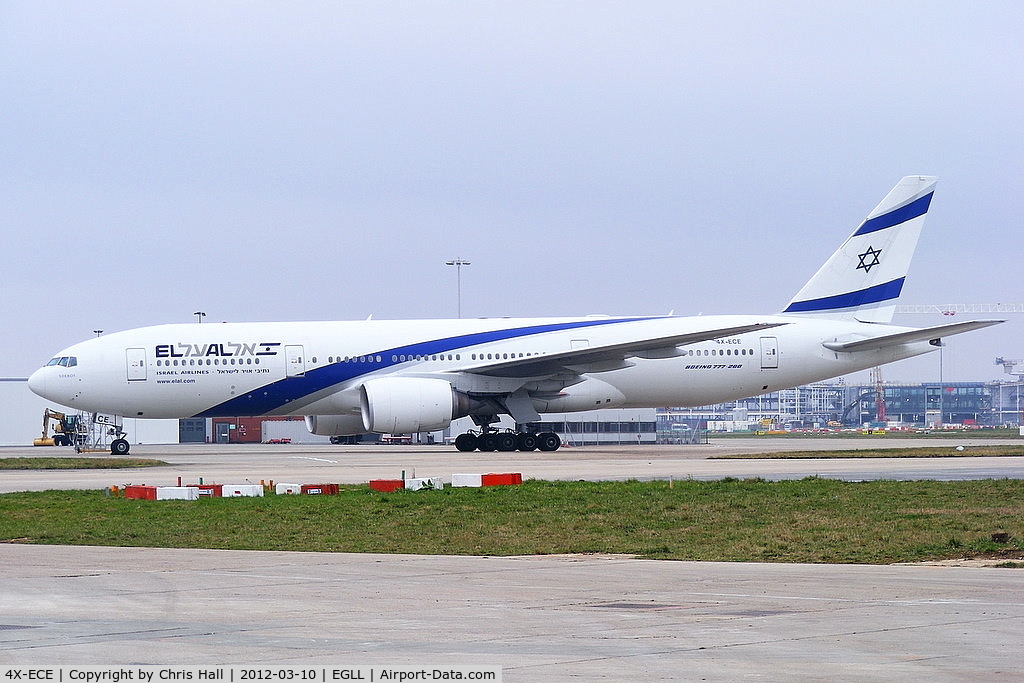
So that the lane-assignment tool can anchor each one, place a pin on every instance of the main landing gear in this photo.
(493, 440)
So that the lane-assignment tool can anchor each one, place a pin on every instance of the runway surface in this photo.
(540, 618)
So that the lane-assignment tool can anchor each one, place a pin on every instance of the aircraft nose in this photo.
(37, 382)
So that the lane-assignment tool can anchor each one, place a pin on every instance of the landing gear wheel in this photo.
(465, 442)
(506, 442)
(548, 441)
(487, 442)
(526, 442)
(119, 447)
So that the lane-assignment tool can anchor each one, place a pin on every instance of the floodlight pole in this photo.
(458, 263)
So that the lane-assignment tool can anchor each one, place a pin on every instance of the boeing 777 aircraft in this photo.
(400, 377)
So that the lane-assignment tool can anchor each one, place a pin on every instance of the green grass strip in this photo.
(922, 452)
(984, 433)
(811, 520)
(76, 463)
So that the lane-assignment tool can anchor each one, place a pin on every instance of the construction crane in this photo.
(876, 380)
(953, 309)
(1012, 366)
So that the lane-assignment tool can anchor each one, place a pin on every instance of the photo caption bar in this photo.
(245, 674)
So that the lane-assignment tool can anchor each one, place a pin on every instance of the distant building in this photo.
(837, 404)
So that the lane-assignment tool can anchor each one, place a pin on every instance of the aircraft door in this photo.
(769, 352)
(136, 359)
(295, 361)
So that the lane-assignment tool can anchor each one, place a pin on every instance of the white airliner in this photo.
(400, 377)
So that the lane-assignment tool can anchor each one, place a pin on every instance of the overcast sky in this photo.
(301, 160)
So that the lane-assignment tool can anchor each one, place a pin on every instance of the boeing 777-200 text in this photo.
(401, 377)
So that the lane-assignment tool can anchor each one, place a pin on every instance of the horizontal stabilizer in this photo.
(930, 334)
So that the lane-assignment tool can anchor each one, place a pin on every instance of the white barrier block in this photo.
(282, 489)
(177, 493)
(232, 490)
(466, 480)
(424, 483)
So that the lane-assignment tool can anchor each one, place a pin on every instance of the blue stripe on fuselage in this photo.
(916, 208)
(270, 397)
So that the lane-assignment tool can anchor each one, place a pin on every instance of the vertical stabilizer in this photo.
(863, 279)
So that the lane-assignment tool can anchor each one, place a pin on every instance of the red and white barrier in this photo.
(492, 479)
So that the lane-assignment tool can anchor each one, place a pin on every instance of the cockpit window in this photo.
(53, 361)
(64, 361)
(72, 361)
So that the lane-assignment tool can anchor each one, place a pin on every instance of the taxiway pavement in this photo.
(539, 618)
(241, 463)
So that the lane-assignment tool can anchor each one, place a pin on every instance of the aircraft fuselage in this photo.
(306, 368)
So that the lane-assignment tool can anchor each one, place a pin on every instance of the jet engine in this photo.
(335, 425)
(407, 405)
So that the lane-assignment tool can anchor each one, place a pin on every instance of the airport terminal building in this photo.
(836, 404)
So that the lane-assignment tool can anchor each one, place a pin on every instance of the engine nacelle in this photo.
(335, 425)
(407, 405)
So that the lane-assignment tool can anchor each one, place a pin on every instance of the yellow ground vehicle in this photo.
(68, 430)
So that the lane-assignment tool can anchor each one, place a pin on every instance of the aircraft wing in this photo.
(930, 334)
(610, 356)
